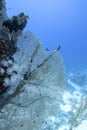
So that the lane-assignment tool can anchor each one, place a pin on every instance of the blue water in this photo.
(56, 22)
(64, 23)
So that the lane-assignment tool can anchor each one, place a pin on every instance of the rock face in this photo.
(33, 80)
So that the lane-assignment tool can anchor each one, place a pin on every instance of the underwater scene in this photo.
(43, 66)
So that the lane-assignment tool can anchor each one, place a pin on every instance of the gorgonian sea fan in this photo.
(32, 79)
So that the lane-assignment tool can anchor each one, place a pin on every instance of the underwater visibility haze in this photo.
(43, 65)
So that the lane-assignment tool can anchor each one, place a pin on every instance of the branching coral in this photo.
(80, 113)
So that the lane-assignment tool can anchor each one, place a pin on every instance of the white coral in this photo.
(6, 82)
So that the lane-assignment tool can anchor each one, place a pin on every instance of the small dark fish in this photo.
(46, 49)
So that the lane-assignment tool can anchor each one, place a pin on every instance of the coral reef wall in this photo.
(31, 79)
